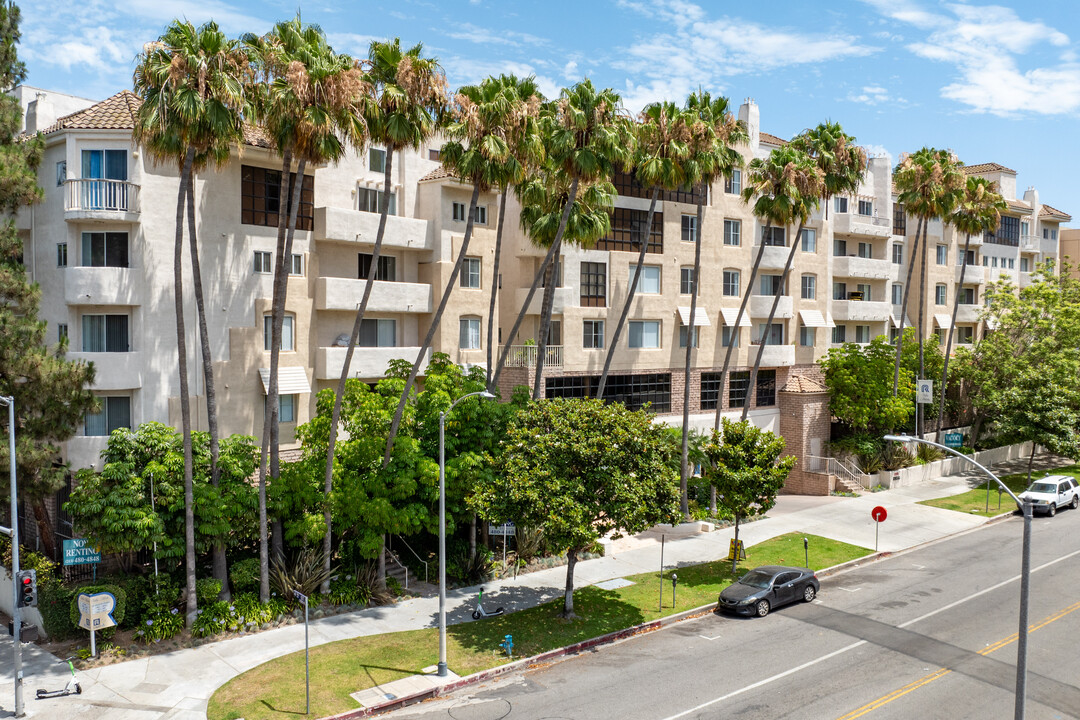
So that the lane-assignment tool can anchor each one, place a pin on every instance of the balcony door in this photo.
(104, 174)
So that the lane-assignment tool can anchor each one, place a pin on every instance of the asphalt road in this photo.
(929, 633)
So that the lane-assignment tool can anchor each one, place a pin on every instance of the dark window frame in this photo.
(593, 284)
(260, 195)
(627, 225)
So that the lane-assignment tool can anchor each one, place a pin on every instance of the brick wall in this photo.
(804, 417)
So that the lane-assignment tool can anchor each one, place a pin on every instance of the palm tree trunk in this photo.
(684, 482)
(546, 306)
(752, 387)
(264, 546)
(632, 291)
(949, 342)
(185, 400)
(435, 321)
(553, 252)
(354, 337)
(221, 568)
(495, 291)
(735, 330)
(903, 307)
(568, 592)
(922, 329)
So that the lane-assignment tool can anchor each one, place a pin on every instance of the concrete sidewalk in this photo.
(178, 685)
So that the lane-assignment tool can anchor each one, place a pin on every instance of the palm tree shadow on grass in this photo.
(271, 708)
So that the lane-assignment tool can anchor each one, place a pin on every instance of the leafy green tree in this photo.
(579, 469)
(745, 467)
(49, 391)
(860, 389)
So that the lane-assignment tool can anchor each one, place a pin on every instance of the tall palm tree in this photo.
(714, 133)
(788, 185)
(663, 137)
(191, 85)
(928, 184)
(977, 211)
(312, 97)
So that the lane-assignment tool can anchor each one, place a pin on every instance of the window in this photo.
(115, 413)
(731, 283)
(770, 334)
(772, 285)
(628, 227)
(433, 154)
(866, 250)
(732, 231)
(543, 280)
(839, 291)
(968, 297)
(809, 240)
(105, 249)
(376, 160)
(710, 390)
(61, 172)
(61, 332)
(766, 388)
(370, 200)
(807, 336)
(645, 334)
(809, 287)
(839, 248)
(61, 254)
(729, 336)
(458, 210)
(627, 185)
(899, 220)
(969, 260)
(965, 335)
(898, 254)
(648, 282)
(386, 271)
(1023, 264)
(862, 334)
(480, 217)
(593, 284)
(993, 262)
(894, 334)
(839, 334)
(942, 254)
(554, 333)
(260, 198)
(469, 333)
(296, 267)
(286, 408)
(866, 207)
(689, 228)
(682, 335)
(1008, 232)
(986, 261)
(940, 294)
(105, 333)
(738, 383)
(287, 340)
(592, 337)
(774, 236)
(733, 183)
(378, 332)
(262, 261)
(634, 391)
(1048, 233)
(1025, 229)
(864, 290)
(897, 294)
(840, 204)
(103, 165)
(686, 281)
(1012, 263)
(470, 273)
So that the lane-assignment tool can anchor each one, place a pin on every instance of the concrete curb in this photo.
(615, 636)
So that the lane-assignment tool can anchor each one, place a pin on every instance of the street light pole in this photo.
(1025, 572)
(16, 611)
(443, 672)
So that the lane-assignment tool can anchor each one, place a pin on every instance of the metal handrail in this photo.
(833, 466)
(400, 564)
(424, 562)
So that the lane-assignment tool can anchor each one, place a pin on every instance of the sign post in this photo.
(307, 668)
(879, 514)
(505, 529)
(96, 613)
(76, 552)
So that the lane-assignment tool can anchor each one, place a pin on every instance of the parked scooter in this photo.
(480, 612)
(72, 687)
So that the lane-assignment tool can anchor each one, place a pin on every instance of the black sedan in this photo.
(766, 587)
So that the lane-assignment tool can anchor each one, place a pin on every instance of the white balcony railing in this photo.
(760, 305)
(114, 370)
(774, 257)
(774, 355)
(861, 267)
(102, 286)
(525, 356)
(367, 362)
(96, 197)
(354, 226)
(861, 310)
(333, 293)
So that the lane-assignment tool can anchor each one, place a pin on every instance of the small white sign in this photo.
(95, 611)
(504, 529)
(924, 392)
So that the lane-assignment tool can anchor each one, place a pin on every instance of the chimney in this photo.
(750, 116)
(39, 113)
(1031, 197)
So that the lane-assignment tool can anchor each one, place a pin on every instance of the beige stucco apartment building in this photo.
(100, 244)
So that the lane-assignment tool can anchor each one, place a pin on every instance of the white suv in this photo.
(1052, 492)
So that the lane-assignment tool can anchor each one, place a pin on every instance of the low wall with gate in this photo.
(951, 465)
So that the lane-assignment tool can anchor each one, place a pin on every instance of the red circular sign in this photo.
(879, 514)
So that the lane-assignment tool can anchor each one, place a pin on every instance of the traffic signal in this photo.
(26, 586)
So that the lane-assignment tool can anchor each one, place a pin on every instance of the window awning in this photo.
(812, 318)
(896, 321)
(701, 316)
(729, 315)
(944, 321)
(829, 321)
(291, 380)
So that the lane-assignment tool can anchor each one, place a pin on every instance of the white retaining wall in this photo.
(30, 616)
(951, 465)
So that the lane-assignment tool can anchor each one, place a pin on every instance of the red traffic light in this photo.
(26, 581)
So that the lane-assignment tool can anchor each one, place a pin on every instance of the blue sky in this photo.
(994, 82)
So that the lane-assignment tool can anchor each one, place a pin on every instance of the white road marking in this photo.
(854, 645)
(850, 590)
(715, 637)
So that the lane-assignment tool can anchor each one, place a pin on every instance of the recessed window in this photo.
(809, 240)
(61, 332)
(104, 249)
(733, 182)
(61, 254)
(899, 219)
(593, 284)
(378, 332)
(993, 262)
(262, 262)
(115, 413)
(459, 211)
(772, 285)
(840, 204)
(296, 267)
(866, 250)
(105, 333)
(287, 337)
(897, 294)
(862, 334)
(940, 294)
(809, 287)
(729, 336)
(839, 291)
(554, 335)
(645, 334)
(481, 215)
(839, 334)
(592, 337)
(260, 198)
(682, 335)
(738, 383)
(839, 248)
(732, 232)
(864, 291)
(968, 296)
(386, 271)
(686, 281)
(774, 236)
(770, 334)
(286, 408)
(433, 154)
(470, 273)
(627, 229)
(376, 160)
(689, 228)
(648, 282)
(942, 254)
(807, 336)
(469, 333)
(371, 200)
(766, 388)
(866, 207)
(898, 254)
(1023, 264)
(731, 283)
(965, 335)
(61, 173)
(1048, 233)
(1012, 263)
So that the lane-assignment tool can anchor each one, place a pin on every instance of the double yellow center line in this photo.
(910, 687)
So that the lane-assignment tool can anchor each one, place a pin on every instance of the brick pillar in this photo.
(804, 419)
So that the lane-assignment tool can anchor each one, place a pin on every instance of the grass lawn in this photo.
(276, 689)
(973, 502)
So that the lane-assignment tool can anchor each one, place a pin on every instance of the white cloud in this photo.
(484, 36)
(570, 71)
(871, 95)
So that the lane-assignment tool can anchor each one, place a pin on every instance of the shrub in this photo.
(160, 624)
(470, 569)
(244, 575)
(929, 453)
(245, 613)
(347, 590)
(895, 456)
(119, 612)
(214, 618)
(207, 590)
(305, 574)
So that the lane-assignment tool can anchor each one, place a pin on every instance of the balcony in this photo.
(974, 274)
(864, 225)
(353, 226)
(774, 257)
(861, 311)
(564, 298)
(101, 286)
(85, 450)
(968, 313)
(760, 305)
(860, 267)
(367, 362)
(393, 297)
(524, 356)
(103, 200)
(1030, 243)
(1025, 279)
(775, 355)
(113, 370)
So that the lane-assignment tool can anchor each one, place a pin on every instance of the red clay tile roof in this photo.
(257, 137)
(1019, 206)
(1053, 212)
(802, 384)
(772, 139)
(114, 113)
(437, 174)
(985, 168)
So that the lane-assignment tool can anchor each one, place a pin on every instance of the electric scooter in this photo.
(480, 612)
(72, 687)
